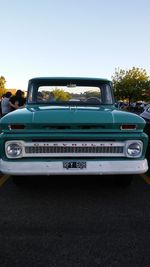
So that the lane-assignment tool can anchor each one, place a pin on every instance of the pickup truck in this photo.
(70, 126)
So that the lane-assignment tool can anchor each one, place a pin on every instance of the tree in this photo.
(146, 91)
(2, 85)
(61, 95)
(132, 84)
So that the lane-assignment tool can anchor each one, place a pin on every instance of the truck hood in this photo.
(109, 117)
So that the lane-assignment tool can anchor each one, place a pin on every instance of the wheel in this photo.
(123, 180)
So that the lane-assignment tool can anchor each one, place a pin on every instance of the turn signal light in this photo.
(128, 127)
(16, 127)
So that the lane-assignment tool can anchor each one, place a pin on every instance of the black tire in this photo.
(123, 180)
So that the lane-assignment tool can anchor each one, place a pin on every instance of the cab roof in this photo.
(68, 79)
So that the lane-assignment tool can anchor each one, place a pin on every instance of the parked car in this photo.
(70, 137)
(146, 112)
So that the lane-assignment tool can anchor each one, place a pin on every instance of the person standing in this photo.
(5, 107)
(17, 101)
(51, 97)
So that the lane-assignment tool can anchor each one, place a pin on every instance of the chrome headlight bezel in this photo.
(13, 149)
(134, 148)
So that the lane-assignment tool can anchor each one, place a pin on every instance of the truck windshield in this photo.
(70, 94)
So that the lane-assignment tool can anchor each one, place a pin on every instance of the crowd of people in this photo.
(11, 102)
(135, 107)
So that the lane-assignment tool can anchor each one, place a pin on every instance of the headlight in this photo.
(134, 149)
(14, 150)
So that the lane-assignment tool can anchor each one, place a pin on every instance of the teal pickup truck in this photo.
(70, 126)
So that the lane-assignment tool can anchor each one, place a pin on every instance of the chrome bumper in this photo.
(56, 168)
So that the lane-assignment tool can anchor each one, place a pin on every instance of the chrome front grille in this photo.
(74, 149)
(60, 150)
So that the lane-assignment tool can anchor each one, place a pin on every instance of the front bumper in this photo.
(56, 168)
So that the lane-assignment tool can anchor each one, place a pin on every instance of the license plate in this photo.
(74, 164)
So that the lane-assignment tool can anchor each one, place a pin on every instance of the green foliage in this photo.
(2, 85)
(146, 92)
(132, 84)
(60, 95)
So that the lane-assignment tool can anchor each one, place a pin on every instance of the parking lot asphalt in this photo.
(74, 221)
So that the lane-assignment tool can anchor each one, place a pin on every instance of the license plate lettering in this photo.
(74, 164)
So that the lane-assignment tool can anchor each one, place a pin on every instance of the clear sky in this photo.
(87, 38)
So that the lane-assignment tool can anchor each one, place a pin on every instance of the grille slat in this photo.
(74, 150)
